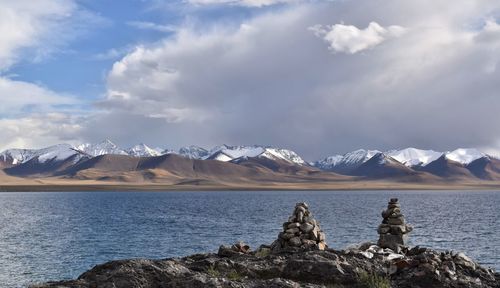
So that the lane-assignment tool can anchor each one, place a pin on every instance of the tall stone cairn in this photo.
(300, 232)
(393, 231)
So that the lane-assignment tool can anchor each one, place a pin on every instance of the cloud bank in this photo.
(32, 115)
(272, 81)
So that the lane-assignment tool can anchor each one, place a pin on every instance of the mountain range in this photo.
(225, 165)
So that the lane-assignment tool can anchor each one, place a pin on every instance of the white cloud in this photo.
(18, 95)
(152, 26)
(248, 3)
(270, 81)
(350, 39)
(29, 24)
(38, 130)
(30, 114)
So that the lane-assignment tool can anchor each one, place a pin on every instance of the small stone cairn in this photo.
(393, 231)
(300, 232)
(237, 248)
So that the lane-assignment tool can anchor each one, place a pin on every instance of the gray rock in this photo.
(321, 236)
(396, 221)
(306, 227)
(308, 242)
(300, 217)
(295, 241)
(383, 230)
(393, 242)
(287, 236)
(300, 209)
(303, 204)
(397, 229)
(315, 233)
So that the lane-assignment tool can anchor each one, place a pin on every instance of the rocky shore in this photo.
(300, 258)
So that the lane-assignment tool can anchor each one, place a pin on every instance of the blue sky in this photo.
(107, 32)
(319, 77)
(80, 66)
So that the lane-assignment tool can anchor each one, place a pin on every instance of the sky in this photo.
(320, 77)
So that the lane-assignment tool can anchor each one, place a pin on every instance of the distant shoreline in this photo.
(148, 187)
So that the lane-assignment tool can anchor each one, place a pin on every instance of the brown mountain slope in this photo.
(298, 172)
(175, 169)
(276, 165)
(382, 166)
(485, 168)
(166, 168)
(34, 167)
(186, 167)
(446, 168)
(117, 163)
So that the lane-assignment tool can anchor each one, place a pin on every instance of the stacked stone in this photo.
(300, 232)
(393, 231)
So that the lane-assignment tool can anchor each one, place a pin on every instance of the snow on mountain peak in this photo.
(105, 147)
(16, 156)
(142, 150)
(228, 153)
(287, 155)
(193, 152)
(350, 159)
(329, 161)
(359, 156)
(464, 155)
(58, 152)
(414, 157)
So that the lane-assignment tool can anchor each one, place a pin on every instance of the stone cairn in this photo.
(393, 231)
(237, 248)
(300, 232)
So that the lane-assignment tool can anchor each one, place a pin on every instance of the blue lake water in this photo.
(52, 236)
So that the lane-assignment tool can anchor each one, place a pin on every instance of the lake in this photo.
(53, 236)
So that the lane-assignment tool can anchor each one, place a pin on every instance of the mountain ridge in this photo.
(106, 160)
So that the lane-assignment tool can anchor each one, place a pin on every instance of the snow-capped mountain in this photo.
(193, 152)
(381, 166)
(142, 150)
(57, 156)
(16, 156)
(411, 157)
(359, 156)
(347, 162)
(58, 152)
(285, 154)
(464, 155)
(227, 153)
(103, 148)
